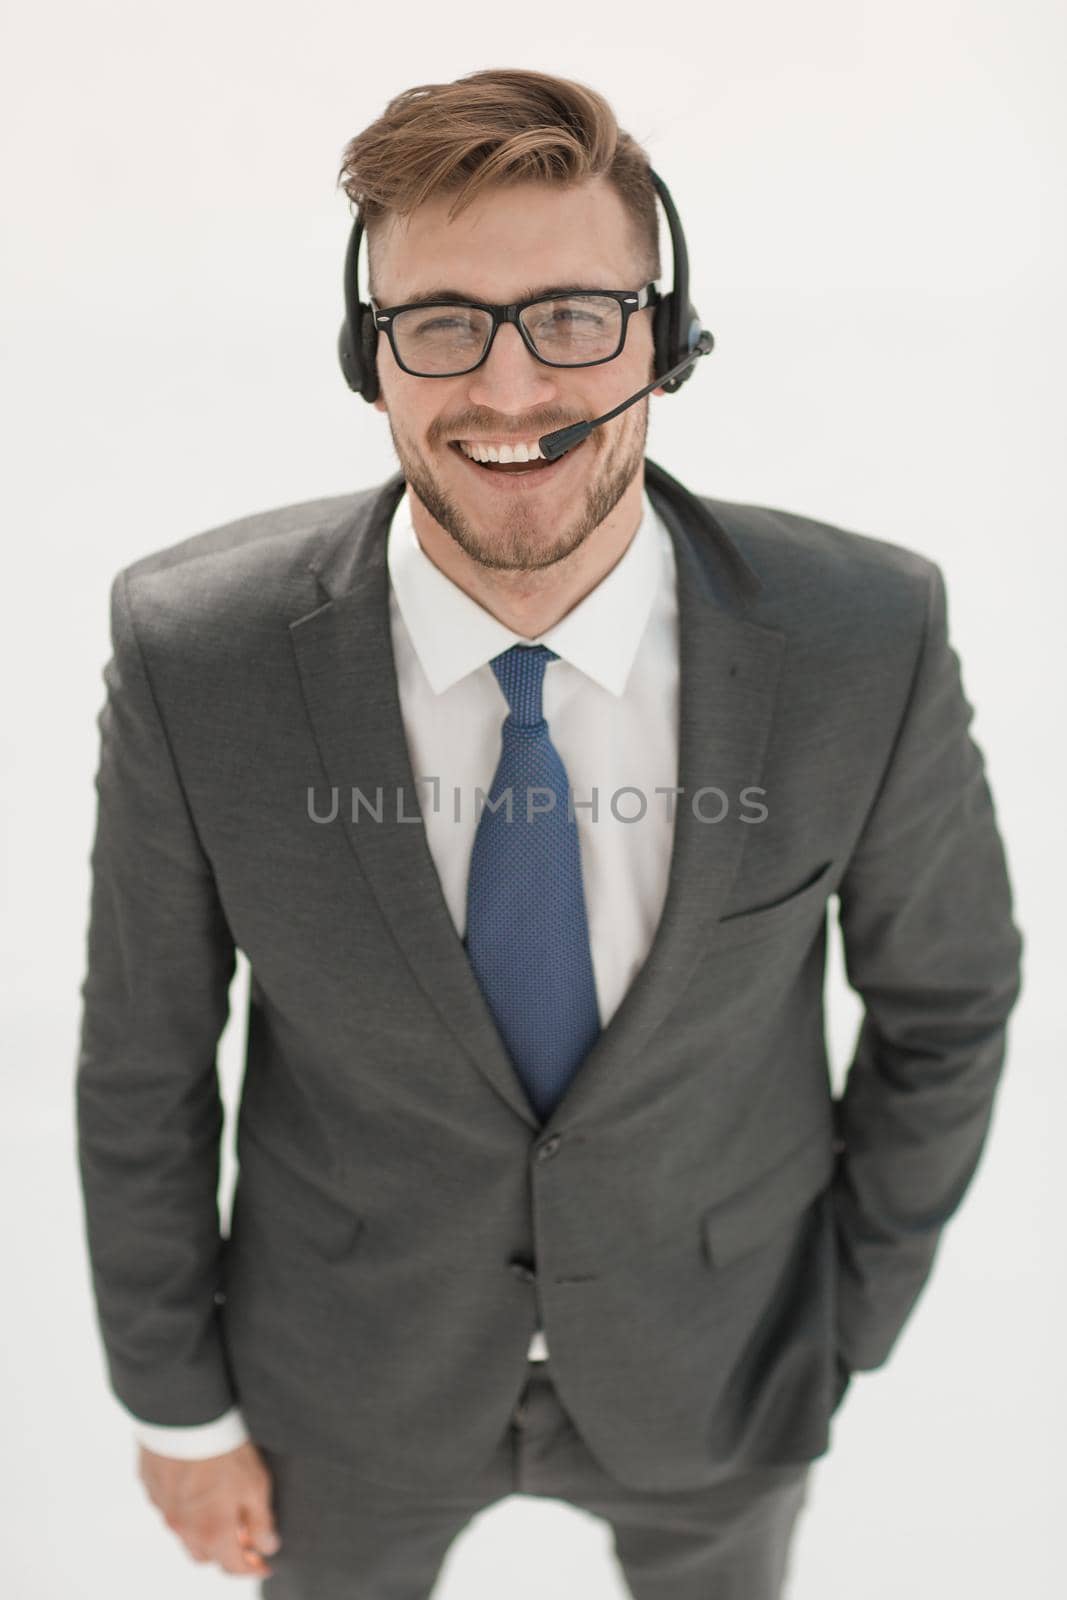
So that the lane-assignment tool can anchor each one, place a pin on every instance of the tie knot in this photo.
(520, 672)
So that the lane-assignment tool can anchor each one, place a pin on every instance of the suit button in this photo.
(523, 1269)
(546, 1151)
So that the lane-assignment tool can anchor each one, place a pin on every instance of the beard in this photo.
(517, 541)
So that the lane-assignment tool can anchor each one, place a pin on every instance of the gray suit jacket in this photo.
(706, 1233)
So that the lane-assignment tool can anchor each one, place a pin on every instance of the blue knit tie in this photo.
(527, 934)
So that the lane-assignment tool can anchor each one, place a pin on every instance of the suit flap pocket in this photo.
(753, 1216)
(293, 1207)
(802, 906)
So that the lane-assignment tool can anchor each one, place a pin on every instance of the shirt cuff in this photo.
(194, 1443)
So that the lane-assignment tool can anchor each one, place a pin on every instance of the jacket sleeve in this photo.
(155, 999)
(930, 946)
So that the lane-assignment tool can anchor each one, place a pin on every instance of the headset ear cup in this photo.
(350, 366)
(368, 355)
(357, 346)
(661, 336)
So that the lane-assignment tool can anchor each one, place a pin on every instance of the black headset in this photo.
(676, 327)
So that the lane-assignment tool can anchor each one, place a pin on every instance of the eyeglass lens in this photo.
(437, 341)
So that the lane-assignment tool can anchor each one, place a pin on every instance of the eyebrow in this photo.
(451, 297)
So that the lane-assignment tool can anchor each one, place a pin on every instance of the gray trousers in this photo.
(346, 1538)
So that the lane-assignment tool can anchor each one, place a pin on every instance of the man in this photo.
(542, 1188)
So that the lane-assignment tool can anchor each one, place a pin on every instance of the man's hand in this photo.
(219, 1507)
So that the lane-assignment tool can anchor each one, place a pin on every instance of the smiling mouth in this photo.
(516, 469)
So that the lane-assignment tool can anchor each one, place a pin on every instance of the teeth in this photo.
(503, 453)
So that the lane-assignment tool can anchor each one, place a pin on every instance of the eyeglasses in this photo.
(578, 329)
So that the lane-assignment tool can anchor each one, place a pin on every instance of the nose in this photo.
(510, 379)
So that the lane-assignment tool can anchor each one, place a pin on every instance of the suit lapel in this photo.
(728, 685)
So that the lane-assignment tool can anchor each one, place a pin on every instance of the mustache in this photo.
(474, 426)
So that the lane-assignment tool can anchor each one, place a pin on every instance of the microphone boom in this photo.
(554, 445)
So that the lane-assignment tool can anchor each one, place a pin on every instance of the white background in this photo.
(872, 196)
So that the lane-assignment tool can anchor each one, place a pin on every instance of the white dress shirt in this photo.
(611, 703)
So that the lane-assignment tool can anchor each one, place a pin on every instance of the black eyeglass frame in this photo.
(629, 301)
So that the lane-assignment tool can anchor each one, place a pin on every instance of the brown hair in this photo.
(496, 127)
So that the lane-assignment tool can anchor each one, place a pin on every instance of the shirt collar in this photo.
(453, 635)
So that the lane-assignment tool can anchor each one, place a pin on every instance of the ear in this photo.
(659, 391)
(379, 404)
